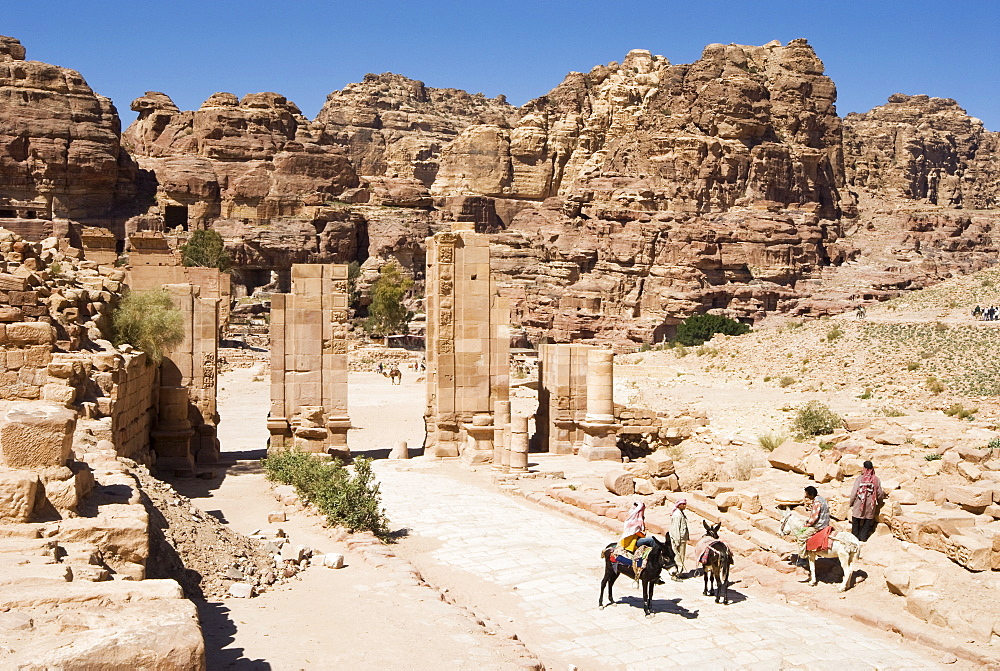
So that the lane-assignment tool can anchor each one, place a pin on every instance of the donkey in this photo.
(395, 376)
(661, 557)
(844, 546)
(716, 560)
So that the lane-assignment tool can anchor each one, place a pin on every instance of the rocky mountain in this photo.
(623, 200)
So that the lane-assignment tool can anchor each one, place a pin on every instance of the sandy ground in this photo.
(328, 619)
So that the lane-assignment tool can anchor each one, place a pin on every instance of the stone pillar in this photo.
(562, 397)
(479, 440)
(309, 362)
(468, 340)
(501, 422)
(600, 441)
(518, 443)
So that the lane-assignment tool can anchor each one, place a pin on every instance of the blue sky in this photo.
(304, 49)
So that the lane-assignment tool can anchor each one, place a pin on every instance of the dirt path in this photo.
(328, 618)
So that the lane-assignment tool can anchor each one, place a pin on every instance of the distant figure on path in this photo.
(395, 376)
(865, 499)
(679, 535)
(860, 312)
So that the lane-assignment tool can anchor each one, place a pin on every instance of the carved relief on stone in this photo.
(208, 371)
(446, 254)
(446, 287)
(445, 317)
(339, 316)
(446, 346)
(340, 286)
(338, 346)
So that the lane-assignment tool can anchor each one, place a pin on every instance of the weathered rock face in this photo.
(926, 149)
(250, 159)
(742, 124)
(61, 147)
(396, 127)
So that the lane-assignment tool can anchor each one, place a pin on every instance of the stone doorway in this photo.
(174, 216)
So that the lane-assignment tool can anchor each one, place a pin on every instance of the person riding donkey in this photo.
(633, 543)
(816, 533)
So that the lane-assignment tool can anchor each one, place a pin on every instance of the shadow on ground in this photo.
(218, 630)
(669, 606)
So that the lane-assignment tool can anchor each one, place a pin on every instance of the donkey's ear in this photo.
(717, 527)
(707, 527)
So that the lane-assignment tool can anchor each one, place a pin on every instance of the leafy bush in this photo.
(866, 394)
(149, 322)
(771, 441)
(834, 333)
(932, 457)
(815, 419)
(696, 329)
(705, 350)
(786, 381)
(681, 350)
(889, 411)
(913, 365)
(993, 444)
(645, 347)
(206, 249)
(346, 499)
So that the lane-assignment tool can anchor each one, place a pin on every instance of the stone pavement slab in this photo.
(503, 541)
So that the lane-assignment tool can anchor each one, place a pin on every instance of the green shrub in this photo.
(834, 333)
(149, 322)
(815, 419)
(934, 385)
(206, 249)
(913, 365)
(767, 378)
(866, 394)
(771, 441)
(681, 350)
(696, 329)
(346, 499)
(889, 411)
(705, 350)
(993, 444)
(960, 411)
(644, 347)
(932, 457)
(786, 381)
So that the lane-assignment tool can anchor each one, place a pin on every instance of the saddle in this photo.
(706, 553)
(820, 541)
(622, 558)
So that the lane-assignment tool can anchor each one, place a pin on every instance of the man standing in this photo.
(866, 497)
(679, 536)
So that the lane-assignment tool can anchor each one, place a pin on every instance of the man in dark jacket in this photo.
(866, 497)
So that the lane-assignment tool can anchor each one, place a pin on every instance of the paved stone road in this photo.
(493, 537)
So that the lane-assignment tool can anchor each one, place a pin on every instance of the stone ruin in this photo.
(309, 362)
(185, 432)
(468, 347)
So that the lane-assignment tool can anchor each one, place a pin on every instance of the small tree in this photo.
(387, 314)
(696, 329)
(149, 322)
(206, 249)
(353, 293)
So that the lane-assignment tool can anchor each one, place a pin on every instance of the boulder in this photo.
(727, 500)
(970, 472)
(643, 486)
(620, 482)
(749, 502)
(789, 455)
(241, 590)
(713, 489)
(970, 497)
(671, 483)
(333, 560)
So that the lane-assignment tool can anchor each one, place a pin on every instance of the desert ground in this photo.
(476, 581)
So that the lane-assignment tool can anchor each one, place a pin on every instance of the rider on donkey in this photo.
(634, 533)
(819, 518)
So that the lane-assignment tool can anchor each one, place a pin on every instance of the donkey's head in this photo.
(662, 557)
(712, 531)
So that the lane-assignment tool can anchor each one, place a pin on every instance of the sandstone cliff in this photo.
(61, 142)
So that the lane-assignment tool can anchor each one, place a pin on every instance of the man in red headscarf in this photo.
(866, 496)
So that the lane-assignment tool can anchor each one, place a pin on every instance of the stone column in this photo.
(600, 441)
(171, 439)
(501, 423)
(518, 443)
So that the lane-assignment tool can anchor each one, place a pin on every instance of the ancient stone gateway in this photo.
(309, 362)
(468, 347)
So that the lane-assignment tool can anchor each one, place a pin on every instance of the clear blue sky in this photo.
(304, 49)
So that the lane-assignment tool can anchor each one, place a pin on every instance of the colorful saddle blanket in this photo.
(707, 551)
(819, 541)
(622, 558)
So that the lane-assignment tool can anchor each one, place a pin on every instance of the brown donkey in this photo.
(716, 560)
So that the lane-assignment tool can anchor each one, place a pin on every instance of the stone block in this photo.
(293, 553)
(241, 590)
(120, 531)
(24, 334)
(713, 489)
(620, 482)
(660, 464)
(643, 486)
(969, 471)
(36, 435)
(969, 496)
(333, 560)
(727, 500)
(671, 483)
(276, 517)
(789, 455)
(749, 502)
(18, 492)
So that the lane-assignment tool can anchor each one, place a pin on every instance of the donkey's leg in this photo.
(812, 568)
(725, 583)
(704, 573)
(845, 556)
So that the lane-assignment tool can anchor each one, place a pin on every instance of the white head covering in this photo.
(636, 520)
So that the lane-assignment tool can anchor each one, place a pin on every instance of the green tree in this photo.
(353, 293)
(149, 322)
(387, 314)
(206, 249)
(696, 329)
